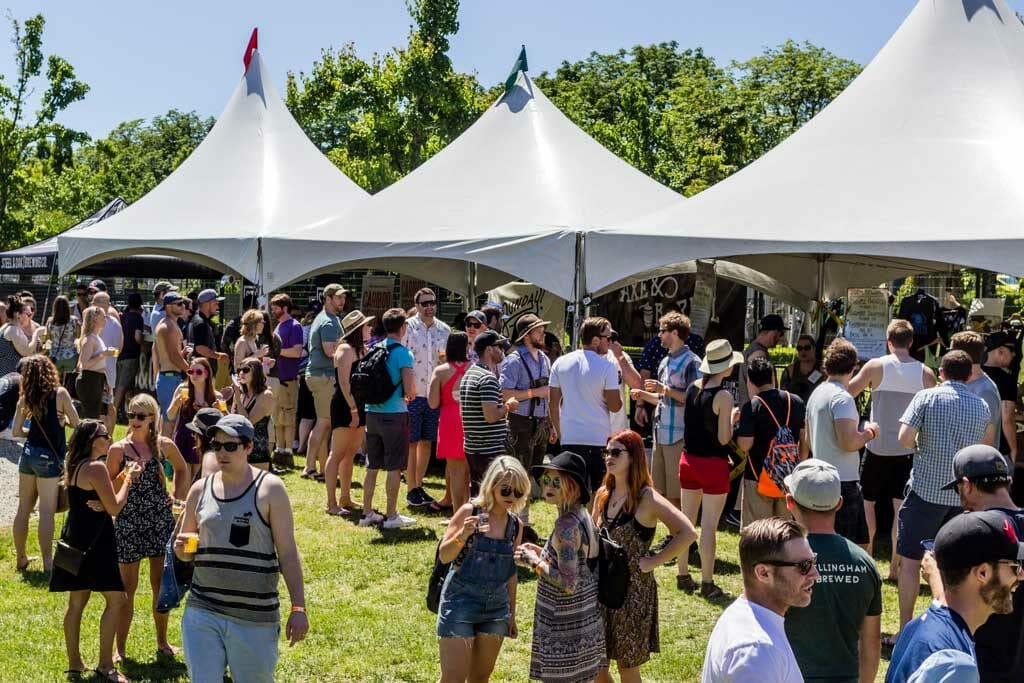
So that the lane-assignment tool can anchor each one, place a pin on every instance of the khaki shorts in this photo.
(665, 468)
(286, 401)
(322, 389)
(755, 506)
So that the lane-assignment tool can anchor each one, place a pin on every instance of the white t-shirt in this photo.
(749, 645)
(619, 419)
(583, 376)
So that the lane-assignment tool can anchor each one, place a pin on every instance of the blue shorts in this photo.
(469, 609)
(422, 420)
(166, 383)
(40, 462)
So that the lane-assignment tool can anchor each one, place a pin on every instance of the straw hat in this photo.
(526, 324)
(353, 321)
(719, 356)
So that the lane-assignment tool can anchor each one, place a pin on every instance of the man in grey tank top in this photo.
(246, 538)
(894, 379)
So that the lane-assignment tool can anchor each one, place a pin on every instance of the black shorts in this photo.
(306, 409)
(850, 520)
(920, 520)
(341, 412)
(387, 441)
(884, 477)
(594, 458)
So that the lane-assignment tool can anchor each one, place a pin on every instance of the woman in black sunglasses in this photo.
(804, 373)
(92, 531)
(253, 400)
(629, 507)
(478, 601)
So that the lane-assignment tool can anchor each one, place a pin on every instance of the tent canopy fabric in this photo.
(255, 172)
(509, 194)
(39, 257)
(920, 159)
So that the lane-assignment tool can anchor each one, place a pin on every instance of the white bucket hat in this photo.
(719, 356)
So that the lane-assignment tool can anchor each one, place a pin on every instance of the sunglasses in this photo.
(548, 480)
(101, 435)
(802, 566)
(196, 372)
(229, 446)
(244, 371)
(141, 417)
(614, 452)
(1015, 565)
(424, 304)
(804, 348)
(509, 492)
(475, 325)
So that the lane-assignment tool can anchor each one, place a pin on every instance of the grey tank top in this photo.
(236, 569)
(900, 381)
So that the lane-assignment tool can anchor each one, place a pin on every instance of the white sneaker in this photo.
(398, 522)
(371, 519)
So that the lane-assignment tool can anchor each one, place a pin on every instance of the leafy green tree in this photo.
(22, 133)
(379, 120)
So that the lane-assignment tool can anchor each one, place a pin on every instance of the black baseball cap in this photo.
(974, 538)
(490, 338)
(773, 322)
(979, 463)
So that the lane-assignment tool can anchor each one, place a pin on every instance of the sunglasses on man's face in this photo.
(474, 324)
(424, 304)
(804, 567)
(508, 492)
(229, 446)
(548, 480)
(613, 452)
(139, 417)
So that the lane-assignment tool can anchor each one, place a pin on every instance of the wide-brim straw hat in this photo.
(719, 356)
(526, 324)
(353, 321)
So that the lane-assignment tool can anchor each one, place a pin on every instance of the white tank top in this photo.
(900, 381)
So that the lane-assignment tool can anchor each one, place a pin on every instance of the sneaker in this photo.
(426, 498)
(398, 522)
(372, 519)
(709, 591)
(414, 498)
(732, 519)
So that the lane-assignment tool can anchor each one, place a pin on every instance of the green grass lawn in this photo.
(365, 593)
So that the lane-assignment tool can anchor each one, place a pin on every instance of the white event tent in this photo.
(255, 172)
(509, 195)
(920, 160)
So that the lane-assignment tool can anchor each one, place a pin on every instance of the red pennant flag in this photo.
(247, 57)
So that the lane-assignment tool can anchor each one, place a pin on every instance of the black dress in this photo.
(93, 532)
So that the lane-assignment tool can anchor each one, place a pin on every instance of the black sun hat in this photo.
(570, 463)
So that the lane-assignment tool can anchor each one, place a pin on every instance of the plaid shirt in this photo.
(948, 417)
(677, 372)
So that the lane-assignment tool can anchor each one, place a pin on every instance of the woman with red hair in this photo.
(629, 508)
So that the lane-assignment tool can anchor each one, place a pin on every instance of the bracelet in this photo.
(297, 608)
(458, 541)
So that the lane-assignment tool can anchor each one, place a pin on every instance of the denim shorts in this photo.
(40, 462)
(469, 609)
(422, 420)
(213, 642)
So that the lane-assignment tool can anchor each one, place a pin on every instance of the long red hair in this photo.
(639, 476)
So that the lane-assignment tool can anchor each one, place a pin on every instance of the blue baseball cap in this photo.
(236, 426)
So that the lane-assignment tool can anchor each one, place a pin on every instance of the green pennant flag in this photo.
(520, 65)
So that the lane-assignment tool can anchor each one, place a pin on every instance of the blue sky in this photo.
(142, 57)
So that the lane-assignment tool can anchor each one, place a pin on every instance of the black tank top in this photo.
(700, 424)
(48, 427)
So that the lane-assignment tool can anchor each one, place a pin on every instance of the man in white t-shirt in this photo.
(584, 393)
(749, 644)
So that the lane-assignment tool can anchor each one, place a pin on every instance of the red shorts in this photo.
(707, 474)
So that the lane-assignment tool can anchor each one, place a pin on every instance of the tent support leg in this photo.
(580, 298)
(469, 302)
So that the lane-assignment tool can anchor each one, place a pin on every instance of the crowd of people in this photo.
(516, 421)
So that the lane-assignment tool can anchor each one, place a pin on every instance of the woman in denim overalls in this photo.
(478, 600)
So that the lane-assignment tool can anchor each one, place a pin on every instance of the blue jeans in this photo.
(213, 641)
(166, 383)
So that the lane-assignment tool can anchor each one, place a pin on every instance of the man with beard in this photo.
(749, 641)
(979, 560)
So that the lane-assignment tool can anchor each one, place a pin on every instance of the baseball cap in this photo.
(773, 322)
(205, 419)
(814, 484)
(334, 289)
(172, 297)
(208, 295)
(163, 287)
(98, 285)
(235, 425)
(477, 315)
(979, 463)
(974, 538)
(490, 338)
(997, 339)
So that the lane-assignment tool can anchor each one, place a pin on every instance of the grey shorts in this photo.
(127, 369)
(387, 441)
(920, 521)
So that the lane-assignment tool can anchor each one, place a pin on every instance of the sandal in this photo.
(307, 474)
(112, 675)
(439, 508)
(339, 512)
(686, 583)
(709, 591)
(28, 561)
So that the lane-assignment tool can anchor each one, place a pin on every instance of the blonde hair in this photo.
(500, 469)
(148, 404)
(250, 319)
(89, 317)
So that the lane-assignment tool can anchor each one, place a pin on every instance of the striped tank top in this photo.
(236, 569)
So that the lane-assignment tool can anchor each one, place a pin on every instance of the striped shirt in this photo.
(479, 386)
(236, 569)
(948, 417)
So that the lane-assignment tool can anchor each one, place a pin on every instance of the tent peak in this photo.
(520, 65)
(252, 46)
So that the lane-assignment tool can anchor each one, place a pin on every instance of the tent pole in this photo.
(580, 287)
(469, 303)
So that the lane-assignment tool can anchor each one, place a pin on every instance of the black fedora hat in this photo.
(571, 464)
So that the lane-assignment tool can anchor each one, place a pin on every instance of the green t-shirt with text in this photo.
(825, 634)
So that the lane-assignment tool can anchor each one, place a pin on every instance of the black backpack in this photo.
(370, 380)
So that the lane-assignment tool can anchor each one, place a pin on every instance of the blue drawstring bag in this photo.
(175, 582)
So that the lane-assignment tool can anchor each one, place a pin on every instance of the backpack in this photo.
(612, 563)
(370, 380)
(440, 572)
(782, 457)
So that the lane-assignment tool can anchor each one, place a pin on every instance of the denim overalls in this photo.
(474, 599)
